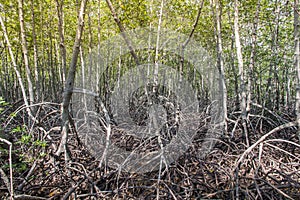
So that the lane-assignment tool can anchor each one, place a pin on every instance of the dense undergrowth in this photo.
(269, 171)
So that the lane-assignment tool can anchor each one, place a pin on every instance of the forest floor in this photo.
(269, 168)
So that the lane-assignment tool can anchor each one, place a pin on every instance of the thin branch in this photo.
(194, 26)
(28, 197)
(279, 128)
(123, 31)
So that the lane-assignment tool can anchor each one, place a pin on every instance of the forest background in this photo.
(255, 43)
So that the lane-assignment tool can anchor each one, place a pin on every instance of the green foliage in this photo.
(271, 52)
(25, 139)
(20, 167)
(40, 143)
(31, 149)
(3, 103)
(18, 129)
(134, 14)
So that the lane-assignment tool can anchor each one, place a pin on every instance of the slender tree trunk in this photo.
(287, 82)
(194, 26)
(90, 36)
(241, 71)
(123, 31)
(220, 63)
(53, 80)
(273, 78)
(25, 52)
(16, 68)
(186, 42)
(35, 54)
(70, 82)
(297, 61)
(252, 59)
(58, 61)
(98, 47)
(83, 77)
(156, 58)
(232, 63)
(63, 52)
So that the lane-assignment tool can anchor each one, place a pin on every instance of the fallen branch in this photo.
(279, 128)
(28, 197)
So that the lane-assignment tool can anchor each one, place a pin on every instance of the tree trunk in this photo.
(252, 58)
(156, 58)
(232, 64)
(16, 68)
(123, 32)
(220, 61)
(35, 54)
(273, 78)
(60, 14)
(70, 81)
(90, 36)
(297, 61)
(25, 52)
(98, 46)
(241, 71)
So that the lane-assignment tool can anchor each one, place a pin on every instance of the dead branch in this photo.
(279, 128)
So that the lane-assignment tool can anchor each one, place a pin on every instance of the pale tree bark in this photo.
(273, 78)
(90, 36)
(19, 77)
(42, 60)
(35, 54)
(234, 71)
(297, 61)
(252, 58)
(156, 61)
(25, 52)
(69, 85)
(220, 61)
(52, 68)
(98, 46)
(63, 52)
(153, 119)
(287, 83)
(83, 73)
(58, 60)
(241, 71)
(232, 64)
